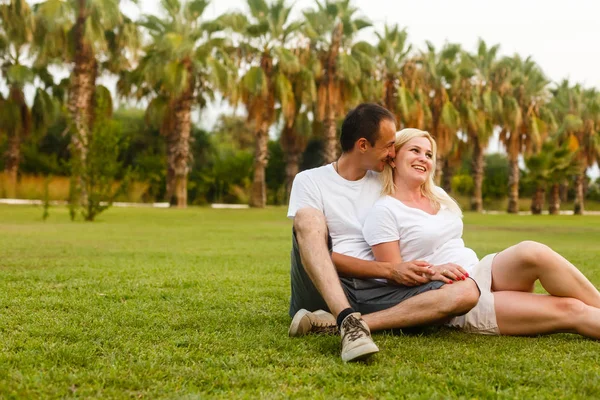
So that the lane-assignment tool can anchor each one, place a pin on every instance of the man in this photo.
(328, 205)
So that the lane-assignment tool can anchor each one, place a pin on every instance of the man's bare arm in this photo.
(356, 268)
(389, 266)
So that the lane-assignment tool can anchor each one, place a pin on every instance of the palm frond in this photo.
(348, 68)
(258, 8)
(286, 60)
(254, 82)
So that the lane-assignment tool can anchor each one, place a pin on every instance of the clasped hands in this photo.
(415, 273)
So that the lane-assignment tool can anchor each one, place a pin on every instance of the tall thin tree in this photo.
(183, 66)
(86, 36)
(266, 84)
(331, 29)
(17, 120)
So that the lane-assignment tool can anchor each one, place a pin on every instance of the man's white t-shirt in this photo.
(436, 239)
(344, 203)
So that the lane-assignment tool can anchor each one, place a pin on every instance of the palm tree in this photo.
(440, 74)
(183, 66)
(553, 164)
(297, 127)
(392, 52)
(331, 29)
(81, 33)
(566, 108)
(525, 118)
(580, 127)
(413, 99)
(17, 120)
(266, 82)
(480, 105)
(16, 34)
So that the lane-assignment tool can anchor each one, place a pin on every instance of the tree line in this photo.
(296, 76)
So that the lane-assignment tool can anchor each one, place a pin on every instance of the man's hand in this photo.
(449, 273)
(411, 273)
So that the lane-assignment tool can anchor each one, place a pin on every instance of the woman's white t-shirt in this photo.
(436, 239)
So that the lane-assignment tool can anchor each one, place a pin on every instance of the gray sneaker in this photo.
(357, 343)
(318, 322)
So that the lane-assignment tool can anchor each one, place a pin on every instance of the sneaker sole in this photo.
(295, 325)
(360, 353)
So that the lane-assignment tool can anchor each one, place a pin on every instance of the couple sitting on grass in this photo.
(373, 235)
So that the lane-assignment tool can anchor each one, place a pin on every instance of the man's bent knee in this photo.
(462, 296)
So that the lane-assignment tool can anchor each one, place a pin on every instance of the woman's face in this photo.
(414, 160)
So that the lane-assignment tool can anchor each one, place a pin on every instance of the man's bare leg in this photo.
(311, 233)
(429, 308)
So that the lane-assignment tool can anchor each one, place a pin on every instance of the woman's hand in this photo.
(410, 273)
(449, 273)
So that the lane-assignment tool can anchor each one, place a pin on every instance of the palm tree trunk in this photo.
(333, 98)
(292, 149)
(170, 178)
(439, 166)
(578, 206)
(447, 174)
(564, 192)
(330, 152)
(179, 151)
(12, 158)
(554, 206)
(537, 202)
(390, 100)
(513, 185)
(80, 102)
(478, 165)
(258, 196)
(292, 167)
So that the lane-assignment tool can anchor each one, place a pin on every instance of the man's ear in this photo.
(361, 145)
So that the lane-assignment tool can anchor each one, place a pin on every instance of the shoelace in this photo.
(324, 327)
(353, 328)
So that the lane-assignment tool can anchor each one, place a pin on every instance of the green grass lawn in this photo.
(150, 303)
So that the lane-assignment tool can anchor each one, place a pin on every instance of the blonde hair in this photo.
(436, 195)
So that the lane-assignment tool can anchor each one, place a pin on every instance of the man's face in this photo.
(383, 151)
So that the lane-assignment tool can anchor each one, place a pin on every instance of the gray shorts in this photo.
(364, 295)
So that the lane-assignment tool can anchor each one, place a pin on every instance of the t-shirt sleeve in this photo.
(380, 226)
(440, 191)
(305, 193)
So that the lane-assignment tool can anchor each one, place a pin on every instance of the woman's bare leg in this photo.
(520, 313)
(518, 267)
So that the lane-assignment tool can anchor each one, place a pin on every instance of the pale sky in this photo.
(562, 36)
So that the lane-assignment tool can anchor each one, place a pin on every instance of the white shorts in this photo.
(482, 318)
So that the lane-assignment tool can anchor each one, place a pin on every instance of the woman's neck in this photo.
(407, 191)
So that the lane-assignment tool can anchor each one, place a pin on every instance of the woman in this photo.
(417, 220)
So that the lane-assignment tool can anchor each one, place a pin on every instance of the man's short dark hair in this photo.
(363, 122)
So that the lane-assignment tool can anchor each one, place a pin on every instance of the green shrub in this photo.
(495, 181)
(462, 184)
